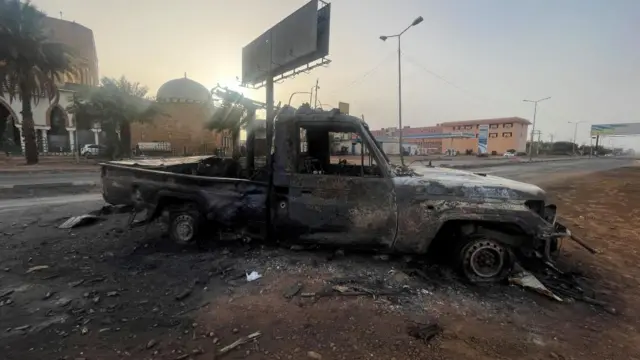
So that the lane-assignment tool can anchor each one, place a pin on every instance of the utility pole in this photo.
(415, 22)
(533, 128)
(539, 133)
(315, 102)
(575, 133)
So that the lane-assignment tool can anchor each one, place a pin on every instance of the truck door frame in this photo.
(342, 210)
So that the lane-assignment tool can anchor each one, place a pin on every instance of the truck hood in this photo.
(438, 181)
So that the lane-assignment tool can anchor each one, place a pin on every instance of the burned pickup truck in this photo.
(480, 222)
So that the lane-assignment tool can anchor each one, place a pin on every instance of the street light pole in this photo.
(533, 127)
(415, 22)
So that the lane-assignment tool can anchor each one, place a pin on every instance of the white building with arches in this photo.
(56, 132)
(55, 127)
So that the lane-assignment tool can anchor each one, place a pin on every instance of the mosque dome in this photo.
(183, 90)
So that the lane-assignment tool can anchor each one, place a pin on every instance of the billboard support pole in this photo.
(269, 134)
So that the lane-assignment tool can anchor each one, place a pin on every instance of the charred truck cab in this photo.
(481, 223)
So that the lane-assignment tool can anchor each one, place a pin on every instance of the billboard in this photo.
(483, 138)
(299, 39)
(615, 129)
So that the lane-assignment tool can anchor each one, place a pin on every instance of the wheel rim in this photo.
(485, 259)
(183, 228)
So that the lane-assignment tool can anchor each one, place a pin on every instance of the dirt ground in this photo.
(109, 293)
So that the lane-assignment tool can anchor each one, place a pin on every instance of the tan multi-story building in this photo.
(461, 136)
(504, 134)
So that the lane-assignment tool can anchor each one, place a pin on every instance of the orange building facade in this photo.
(462, 136)
(504, 134)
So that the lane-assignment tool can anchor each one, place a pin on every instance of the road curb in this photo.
(49, 185)
(46, 171)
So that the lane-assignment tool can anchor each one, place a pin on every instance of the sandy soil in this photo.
(109, 293)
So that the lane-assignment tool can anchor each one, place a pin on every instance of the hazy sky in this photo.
(469, 59)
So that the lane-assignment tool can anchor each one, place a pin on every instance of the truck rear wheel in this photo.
(483, 259)
(184, 223)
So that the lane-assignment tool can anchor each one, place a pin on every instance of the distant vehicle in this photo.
(90, 150)
(509, 154)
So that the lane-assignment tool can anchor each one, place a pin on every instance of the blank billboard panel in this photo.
(256, 58)
(615, 129)
(299, 39)
(295, 36)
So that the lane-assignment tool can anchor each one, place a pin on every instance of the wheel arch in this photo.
(165, 198)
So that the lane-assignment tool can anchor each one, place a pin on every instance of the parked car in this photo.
(509, 154)
(90, 150)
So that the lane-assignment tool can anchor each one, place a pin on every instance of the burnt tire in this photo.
(185, 222)
(482, 259)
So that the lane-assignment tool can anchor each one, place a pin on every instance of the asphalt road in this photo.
(40, 178)
(16, 211)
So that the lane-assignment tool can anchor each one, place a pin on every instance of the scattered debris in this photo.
(398, 277)
(241, 341)
(151, 343)
(584, 244)
(76, 283)
(344, 291)
(37, 268)
(424, 332)
(254, 275)
(292, 290)
(6, 293)
(313, 355)
(341, 288)
(113, 294)
(527, 280)
(22, 328)
(184, 294)
(77, 221)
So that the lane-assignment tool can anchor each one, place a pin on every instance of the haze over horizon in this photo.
(469, 59)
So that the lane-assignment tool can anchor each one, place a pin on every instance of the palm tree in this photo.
(114, 105)
(30, 64)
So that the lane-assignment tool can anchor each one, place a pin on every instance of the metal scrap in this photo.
(528, 280)
(241, 341)
(424, 332)
(77, 221)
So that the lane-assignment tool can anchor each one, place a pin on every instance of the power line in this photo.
(434, 74)
(366, 74)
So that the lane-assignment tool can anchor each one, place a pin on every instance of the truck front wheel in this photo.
(184, 223)
(483, 259)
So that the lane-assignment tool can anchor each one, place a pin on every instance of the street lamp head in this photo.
(417, 21)
(383, 38)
